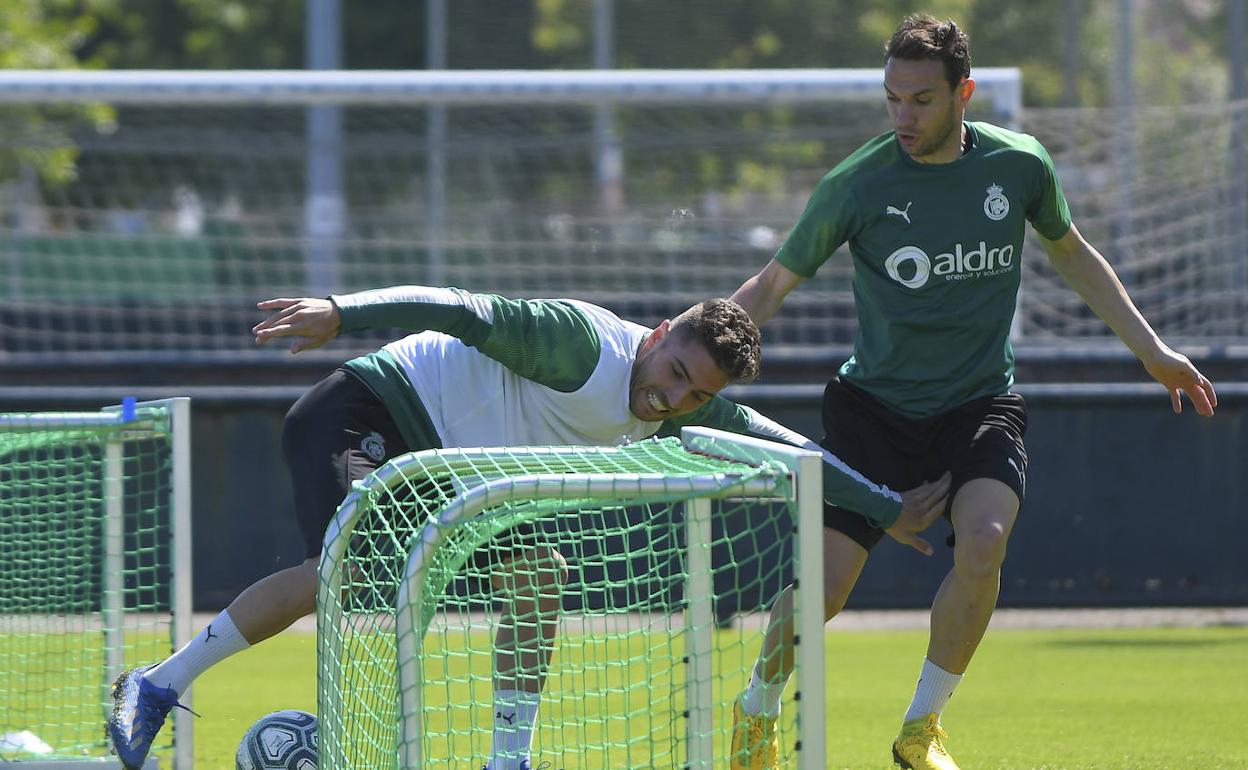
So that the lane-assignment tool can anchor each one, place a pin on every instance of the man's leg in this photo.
(144, 696)
(983, 514)
(336, 433)
(843, 560)
(532, 583)
(754, 733)
(264, 609)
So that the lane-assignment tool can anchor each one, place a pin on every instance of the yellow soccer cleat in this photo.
(755, 743)
(921, 745)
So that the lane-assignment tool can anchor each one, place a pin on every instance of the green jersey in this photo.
(484, 370)
(936, 251)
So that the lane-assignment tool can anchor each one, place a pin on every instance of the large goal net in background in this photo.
(148, 211)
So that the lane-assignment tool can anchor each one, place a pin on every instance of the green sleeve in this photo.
(719, 413)
(843, 486)
(1048, 213)
(550, 342)
(830, 219)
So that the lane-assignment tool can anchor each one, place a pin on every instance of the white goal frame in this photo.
(1002, 86)
(177, 423)
(804, 467)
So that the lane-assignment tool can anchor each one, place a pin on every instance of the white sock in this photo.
(218, 641)
(515, 713)
(935, 687)
(762, 697)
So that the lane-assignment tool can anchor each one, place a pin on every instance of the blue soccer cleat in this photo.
(139, 711)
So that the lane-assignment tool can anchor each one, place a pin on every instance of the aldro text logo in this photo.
(911, 267)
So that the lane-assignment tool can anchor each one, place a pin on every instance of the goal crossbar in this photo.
(452, 87)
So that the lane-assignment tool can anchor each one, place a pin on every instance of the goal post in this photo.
(95, 510)
(806, 469)
(644, 191)
(643, 668)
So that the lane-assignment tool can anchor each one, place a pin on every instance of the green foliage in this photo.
(1180, 51)
(43, 35)
(1179, 58)
(40, 34)
(193, 34)
(1180, 47)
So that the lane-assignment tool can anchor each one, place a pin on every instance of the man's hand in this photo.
(313, 322)
(920, 507)
(1178, 375)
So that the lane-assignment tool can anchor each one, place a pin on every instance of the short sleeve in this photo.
(1048, 213)
(830, 219)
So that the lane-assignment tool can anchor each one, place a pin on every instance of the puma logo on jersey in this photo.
(903, 213)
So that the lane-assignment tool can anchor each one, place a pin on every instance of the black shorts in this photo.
(338, 433)
(335, 434)
(982, 438)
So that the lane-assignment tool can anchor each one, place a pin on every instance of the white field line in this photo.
(885, 620)
(847, 621)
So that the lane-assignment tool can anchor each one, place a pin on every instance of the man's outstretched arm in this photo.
(551, 342)
(762, 294)
(903, 515)
(1084, 269)
(314, 322)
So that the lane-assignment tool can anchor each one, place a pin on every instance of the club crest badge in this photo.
(996, 205)
(374, 445)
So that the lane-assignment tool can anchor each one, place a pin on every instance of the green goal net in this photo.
(635, 579)
(94, 514)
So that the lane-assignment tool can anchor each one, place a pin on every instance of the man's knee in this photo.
(536, 568)
(843, 560)
(984, 511)
(833, 604)
(309, 581)
(980, 550)
(551, 567)
(837, 586)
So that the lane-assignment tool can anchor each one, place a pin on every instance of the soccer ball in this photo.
(283, 740)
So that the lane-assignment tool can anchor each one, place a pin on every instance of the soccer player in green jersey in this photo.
(934, 214)
(481, 370)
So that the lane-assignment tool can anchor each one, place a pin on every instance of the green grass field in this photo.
(1157, 699)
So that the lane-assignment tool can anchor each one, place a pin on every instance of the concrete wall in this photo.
(1129, 504)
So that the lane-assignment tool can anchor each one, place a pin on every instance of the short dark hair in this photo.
(921, 36)
(729, 334)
